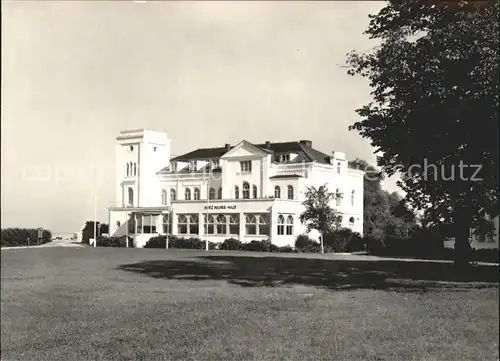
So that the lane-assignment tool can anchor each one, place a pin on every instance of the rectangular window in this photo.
(147, 223)
(209, 224)
(149, 229)
(193, 229)
(281, 229)
(234, 229)
(182, 224)
(209, 228)
(221, 229)
(234, 224)
(139, 223)
(250, 229)
(246, 166)
(257, 224)
(283, 158)
(263, 221)
(182, 228)
(264, 229)
(167, 224)
(289, 230)
(193, 223)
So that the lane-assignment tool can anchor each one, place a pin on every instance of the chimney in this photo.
(268, 144)
(227, 146)
(306, 143)
(338, 155)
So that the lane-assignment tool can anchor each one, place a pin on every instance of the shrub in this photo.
(286, 249)
(186, 243)
(157, 242)
(486, 255)
(178, 243)
(12, 237)
(213, 245)
(231, 244)
(372, 245)
(423, 243)
(119, 241)
(303, 243)
(343, 240)
(260, 246)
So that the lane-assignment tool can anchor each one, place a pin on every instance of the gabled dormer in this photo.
(285, 157)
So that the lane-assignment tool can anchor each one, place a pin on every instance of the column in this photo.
(201, 226)
(174, 223)
(241, 236)
(272, 229)
(158, 223)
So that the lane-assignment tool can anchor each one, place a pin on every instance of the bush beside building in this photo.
(423, 245)
(120, 241)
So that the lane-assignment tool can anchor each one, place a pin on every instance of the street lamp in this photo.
(168, 230)
(126, 224)
(205, 226)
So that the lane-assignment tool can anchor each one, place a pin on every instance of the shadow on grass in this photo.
(247, 271)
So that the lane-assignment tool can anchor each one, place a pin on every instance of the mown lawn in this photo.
(146, 304)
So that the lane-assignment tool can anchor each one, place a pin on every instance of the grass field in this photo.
(146, 304)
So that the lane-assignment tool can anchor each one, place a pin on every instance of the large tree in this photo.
(318, 213)
(435, 103)
(384, 214)
(88, 230)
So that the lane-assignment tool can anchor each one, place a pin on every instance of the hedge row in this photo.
(12, 237)
(230, 244)
(120, 241)
(341, 241)
(424, 245)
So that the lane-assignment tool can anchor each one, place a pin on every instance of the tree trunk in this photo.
(463, 251)
(322, 245)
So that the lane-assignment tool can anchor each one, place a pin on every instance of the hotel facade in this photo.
(246, 191)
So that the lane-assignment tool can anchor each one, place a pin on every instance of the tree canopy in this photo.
(384, 214)
(88, 230)
(318, 213)
(434, 81)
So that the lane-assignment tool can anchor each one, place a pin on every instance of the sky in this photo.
(208, 73)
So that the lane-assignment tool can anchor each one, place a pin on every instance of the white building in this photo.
(247, 191)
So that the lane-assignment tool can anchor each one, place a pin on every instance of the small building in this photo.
(249, 191)
(77, 236)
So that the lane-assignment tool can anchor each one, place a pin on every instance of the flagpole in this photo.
(126, 225)
(95, 210)
(205, 224)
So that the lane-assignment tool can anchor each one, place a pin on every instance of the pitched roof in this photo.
(285, 176)
(202, 154)
(204, 169)
(304, 152)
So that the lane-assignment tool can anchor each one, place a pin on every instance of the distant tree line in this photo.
(12, 237)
